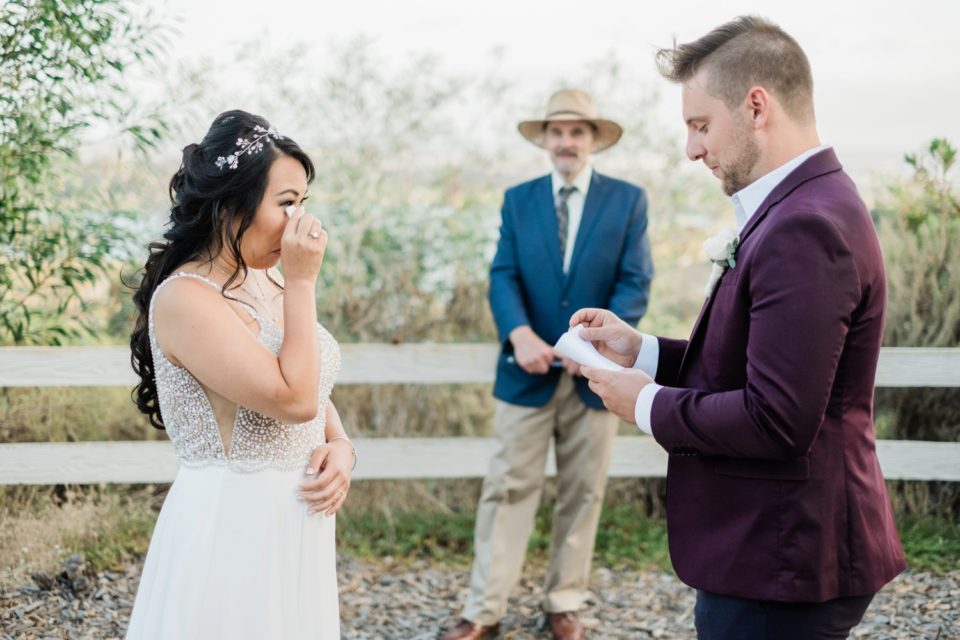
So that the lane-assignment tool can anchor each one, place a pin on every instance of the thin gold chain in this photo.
(262, 298)
(264, 301)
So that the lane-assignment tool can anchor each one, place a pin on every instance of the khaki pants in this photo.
(511, 494)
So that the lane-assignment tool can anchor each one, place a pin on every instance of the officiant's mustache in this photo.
(566, 152)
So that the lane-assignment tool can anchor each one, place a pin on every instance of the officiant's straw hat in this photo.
(572, 104)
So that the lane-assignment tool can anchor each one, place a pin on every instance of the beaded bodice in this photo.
(258, 441)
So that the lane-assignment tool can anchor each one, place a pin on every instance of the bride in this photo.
(233, 364)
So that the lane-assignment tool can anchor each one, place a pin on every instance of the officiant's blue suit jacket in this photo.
(610, 268)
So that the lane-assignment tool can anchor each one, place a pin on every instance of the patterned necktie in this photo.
(563, 217)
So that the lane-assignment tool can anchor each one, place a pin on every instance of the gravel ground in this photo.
(415, 600)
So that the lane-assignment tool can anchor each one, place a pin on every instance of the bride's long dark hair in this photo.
(213, 203)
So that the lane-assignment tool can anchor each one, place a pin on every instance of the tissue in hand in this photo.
(583, 352)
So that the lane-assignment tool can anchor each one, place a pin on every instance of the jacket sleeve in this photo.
(804, 288)
(635, 270)
(668, 363)
(506, 288)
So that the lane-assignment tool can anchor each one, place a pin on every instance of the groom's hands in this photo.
(610, 335)
(620, 343)
(618, 389)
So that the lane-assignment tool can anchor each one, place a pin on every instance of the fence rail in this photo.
(400, 458)
(408, 364)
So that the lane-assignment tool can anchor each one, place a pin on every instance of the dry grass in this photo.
(70, 414)
(39, 526)
(415, 410)
(110, 526)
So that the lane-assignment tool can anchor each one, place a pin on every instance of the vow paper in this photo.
(583, 352)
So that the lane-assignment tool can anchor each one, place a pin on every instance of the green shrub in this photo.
(62, 65)
(919, 228)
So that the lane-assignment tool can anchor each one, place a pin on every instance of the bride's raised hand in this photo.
(611, 336)
(302, 246)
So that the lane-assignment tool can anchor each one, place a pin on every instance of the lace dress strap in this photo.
(196, 276)
(189, 274)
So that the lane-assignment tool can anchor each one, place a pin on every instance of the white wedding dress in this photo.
(235, 554)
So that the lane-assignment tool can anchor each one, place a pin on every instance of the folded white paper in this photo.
(583, 352)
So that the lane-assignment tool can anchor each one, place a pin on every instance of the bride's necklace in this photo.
(261, 299)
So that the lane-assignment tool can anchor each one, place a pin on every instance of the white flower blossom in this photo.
(721, 249)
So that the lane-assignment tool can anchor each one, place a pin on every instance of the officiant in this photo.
(571, 239)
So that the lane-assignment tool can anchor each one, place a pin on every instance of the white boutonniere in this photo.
(721, 250)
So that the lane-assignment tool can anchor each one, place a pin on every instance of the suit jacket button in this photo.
(565, 303)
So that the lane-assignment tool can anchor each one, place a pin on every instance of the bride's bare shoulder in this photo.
(185, 290)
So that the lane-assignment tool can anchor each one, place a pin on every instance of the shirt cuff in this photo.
(643, 410)
(649, 357)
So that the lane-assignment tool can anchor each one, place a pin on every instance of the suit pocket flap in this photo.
(795, 469)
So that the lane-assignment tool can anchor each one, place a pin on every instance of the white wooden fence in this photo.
(399, 458)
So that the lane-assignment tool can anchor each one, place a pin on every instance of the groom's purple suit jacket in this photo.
(774, 491)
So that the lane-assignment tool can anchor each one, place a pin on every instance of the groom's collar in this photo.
(748, 200)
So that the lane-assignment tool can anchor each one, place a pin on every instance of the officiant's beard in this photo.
(736, 173)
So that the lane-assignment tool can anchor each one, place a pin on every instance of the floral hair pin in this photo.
(248, 147)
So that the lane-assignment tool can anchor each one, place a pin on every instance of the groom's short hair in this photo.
(746, 52)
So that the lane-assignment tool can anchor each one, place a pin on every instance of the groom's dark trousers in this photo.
(774, 490)
(728, 618)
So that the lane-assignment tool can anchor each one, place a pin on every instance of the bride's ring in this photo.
(314, 234)
(341, 492)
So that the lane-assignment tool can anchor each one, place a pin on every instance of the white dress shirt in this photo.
(574, 207)
(745, 205)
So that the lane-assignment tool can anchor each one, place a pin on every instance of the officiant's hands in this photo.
(328, 477)
(532, 354)
(611, 336)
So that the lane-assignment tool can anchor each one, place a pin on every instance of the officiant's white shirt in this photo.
(574, 207)
(745, 205)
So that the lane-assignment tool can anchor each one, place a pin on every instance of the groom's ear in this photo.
(758, 104)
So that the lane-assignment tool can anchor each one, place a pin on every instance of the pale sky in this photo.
(886, 72)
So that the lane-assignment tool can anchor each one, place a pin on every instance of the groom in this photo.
(777, 510)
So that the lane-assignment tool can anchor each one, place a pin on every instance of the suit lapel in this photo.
(546, 223)
(592, 208)
(817, 165)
